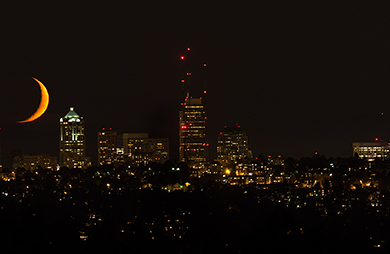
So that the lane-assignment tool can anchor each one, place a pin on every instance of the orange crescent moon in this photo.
(42, 106)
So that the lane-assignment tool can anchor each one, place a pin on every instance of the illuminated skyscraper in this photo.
(233, 146)
(193, 145)
(72, 141)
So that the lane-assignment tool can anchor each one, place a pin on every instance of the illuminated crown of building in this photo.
(71, 116)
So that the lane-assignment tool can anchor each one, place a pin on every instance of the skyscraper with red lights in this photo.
(193, 145)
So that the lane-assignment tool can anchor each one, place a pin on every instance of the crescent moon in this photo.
(42, 106)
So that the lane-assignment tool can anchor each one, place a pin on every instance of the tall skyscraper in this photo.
(233, 146)
(193, 145)
(72, 141)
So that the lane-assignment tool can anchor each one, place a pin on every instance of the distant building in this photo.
(108, 147)
(72, 141)
(193, 145)
(233, 146)
(275, 160)
(371, 150)
(138, 149)
(32, 162)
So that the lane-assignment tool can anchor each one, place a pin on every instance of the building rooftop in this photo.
(193, 101)
(71, 114)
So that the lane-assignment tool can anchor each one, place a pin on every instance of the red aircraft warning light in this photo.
(182, 57)
(376, 139)
(188, 49)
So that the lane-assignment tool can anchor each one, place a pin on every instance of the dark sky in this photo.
(298, 77)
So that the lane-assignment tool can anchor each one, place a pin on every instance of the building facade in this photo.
(107, 147)
(371, 150)
(72, 141)
(32, 162)
(232, 146)
(193, 145)
(139, 149)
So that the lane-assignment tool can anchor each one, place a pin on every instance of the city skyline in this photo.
(298, 78)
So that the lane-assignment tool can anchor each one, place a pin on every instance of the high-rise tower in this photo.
(193, 146)
(72, 141)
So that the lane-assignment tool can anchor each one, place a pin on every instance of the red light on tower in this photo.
(182, 81)
(182, 57)
(188, 49)
(184, 127)
(204, 65)
(204, 91)
(376, 139)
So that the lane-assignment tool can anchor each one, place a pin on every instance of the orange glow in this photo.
(42, 106)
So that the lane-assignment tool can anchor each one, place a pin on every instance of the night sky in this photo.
(297, 77)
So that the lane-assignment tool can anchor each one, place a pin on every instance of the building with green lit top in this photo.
(72, 141)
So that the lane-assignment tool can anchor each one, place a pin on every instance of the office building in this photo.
(371, 150)
(193, 145)
(72, 141)
(32, 162)
(107, 147)
(138, 149)
(233, 146)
